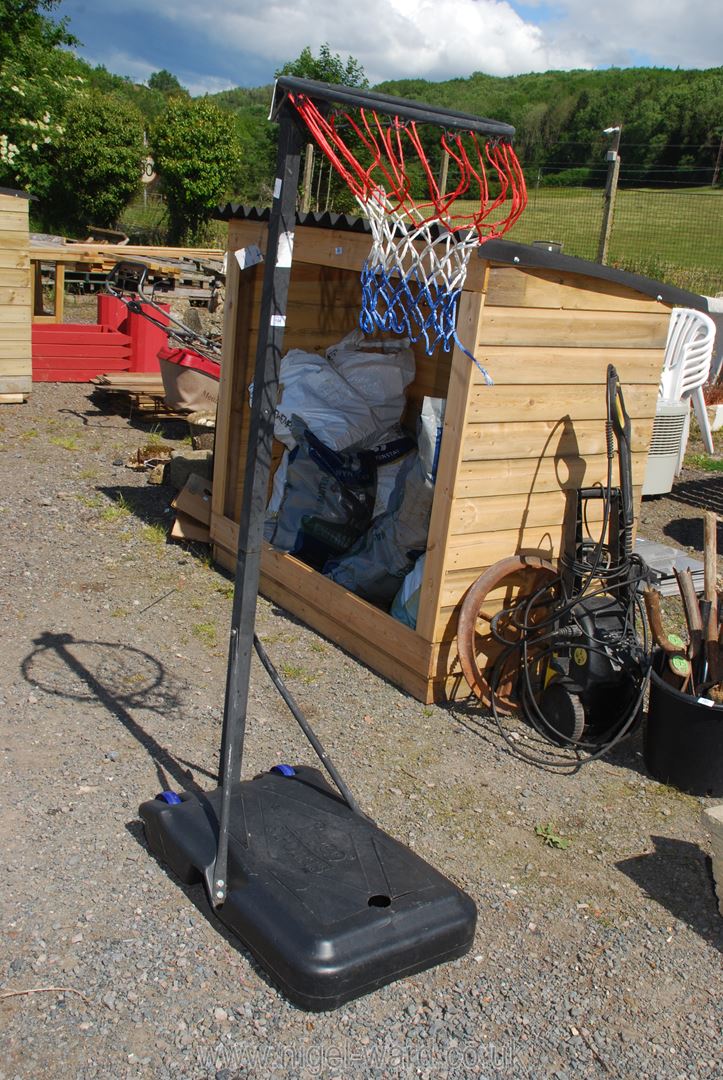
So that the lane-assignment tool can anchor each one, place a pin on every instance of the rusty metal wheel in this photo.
(514, 581)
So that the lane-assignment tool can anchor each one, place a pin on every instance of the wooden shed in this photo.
(545, 326)
(15, 297)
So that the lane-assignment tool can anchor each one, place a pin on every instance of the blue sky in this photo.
(223, 43)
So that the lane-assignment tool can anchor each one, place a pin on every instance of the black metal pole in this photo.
(277, 272)
(306, 727)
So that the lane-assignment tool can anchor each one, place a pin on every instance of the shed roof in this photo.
(18, 194)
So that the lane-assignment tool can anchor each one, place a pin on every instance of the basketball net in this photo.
(417, 266)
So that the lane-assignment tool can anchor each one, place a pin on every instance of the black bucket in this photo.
(683, 743)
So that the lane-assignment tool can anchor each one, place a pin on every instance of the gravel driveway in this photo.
(601, 959)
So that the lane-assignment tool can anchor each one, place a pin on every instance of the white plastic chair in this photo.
(686, 366)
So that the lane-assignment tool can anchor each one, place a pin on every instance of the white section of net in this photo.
(414, 275)
(409, 248)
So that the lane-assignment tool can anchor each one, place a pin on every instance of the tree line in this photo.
(672, 120)
(77, 136)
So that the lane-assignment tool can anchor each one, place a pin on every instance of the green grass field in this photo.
(676, 236)
(673, 236)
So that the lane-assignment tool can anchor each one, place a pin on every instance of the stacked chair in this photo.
(686, 367)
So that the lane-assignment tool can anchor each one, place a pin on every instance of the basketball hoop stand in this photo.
(330, 905)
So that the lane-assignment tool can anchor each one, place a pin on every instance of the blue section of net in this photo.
(413, 305)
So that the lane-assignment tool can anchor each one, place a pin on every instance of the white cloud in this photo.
(117, 61)
(665, 32)
(198, 84)
(441, 38)
(433, 39)
(140, 71)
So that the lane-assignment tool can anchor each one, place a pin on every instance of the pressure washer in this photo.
(595, 665)
(582, 663)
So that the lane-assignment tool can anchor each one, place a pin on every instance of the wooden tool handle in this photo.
(651, 598)
(716, 692)
(712, 646)
(691, 609)
(710, 555)
(677, 672)
(711, 630)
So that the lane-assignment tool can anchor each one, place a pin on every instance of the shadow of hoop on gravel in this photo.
(120, 677)
(679, 876)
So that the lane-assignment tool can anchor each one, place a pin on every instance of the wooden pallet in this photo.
(148, 382)
(192, 267)
(135, 392)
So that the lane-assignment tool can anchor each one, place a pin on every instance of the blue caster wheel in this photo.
(169, 797)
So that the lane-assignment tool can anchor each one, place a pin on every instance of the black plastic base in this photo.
(330, 906)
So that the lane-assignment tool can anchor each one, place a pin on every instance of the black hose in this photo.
(534, 645)
(563, 762)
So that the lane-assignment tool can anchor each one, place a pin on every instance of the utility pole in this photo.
(443, 172)
(716, 168)
(306, 182)
(611, 190)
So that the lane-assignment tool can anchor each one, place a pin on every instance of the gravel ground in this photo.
(598, 960)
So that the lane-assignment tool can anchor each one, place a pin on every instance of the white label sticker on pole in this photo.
(285, 249)
(248, 256)
(706, 701)
(278, 320)
(277, 187)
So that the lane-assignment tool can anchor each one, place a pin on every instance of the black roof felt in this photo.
(18, 194)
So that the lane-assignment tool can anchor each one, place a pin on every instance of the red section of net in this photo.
(385, 177)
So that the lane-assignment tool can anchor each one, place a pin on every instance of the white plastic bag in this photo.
(405, 606)
(379, 371)
(357, 390)
(329, 406)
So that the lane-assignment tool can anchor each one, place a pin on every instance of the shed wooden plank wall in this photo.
(15, 349)
(538, 434)
(511, 454)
